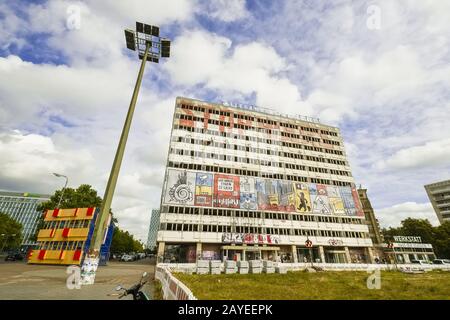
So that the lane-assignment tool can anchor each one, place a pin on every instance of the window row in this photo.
(61, 245)
(260, 214)
(257, 162)
(260, 230)
(261, 120)
(255, 139)
(66, 224)
(251, 173)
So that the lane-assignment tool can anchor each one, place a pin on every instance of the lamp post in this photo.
(150, 47)
(64, 188)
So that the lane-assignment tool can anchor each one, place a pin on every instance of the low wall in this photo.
(173, 289)
(191, 267)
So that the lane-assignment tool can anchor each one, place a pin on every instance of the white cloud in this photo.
(202, 58)
(392, 216)
(431, 154)
(386, 89)
(226, 10)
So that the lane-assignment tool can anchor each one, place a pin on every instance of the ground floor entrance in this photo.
(191, 252)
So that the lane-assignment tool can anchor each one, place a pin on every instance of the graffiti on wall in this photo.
(250, 238)
(230, 191)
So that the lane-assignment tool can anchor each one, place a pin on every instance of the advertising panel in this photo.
(319, 199)
(230, 191)
(247, 193)
(203, 189)
(180, 187)
(275, 195)
(347, 198)
(358, 206)
(226, 191)
(334, 198)
(302, 198)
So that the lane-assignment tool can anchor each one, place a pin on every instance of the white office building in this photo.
(22, 208)
(439, 194)
(153, 229)
(248, 183)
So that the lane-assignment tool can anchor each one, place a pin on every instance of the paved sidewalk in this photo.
(19, 280)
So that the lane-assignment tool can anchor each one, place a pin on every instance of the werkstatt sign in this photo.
(408, 239)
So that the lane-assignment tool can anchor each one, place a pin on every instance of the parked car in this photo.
(421, 262)
(141, 255)
(441, 261)
(126, 258)
(14, 256)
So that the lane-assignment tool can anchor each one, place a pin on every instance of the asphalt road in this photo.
(21, 281)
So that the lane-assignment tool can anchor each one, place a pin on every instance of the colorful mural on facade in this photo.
(203, 189)
(229, 191)
(226, 191)
(248, 193)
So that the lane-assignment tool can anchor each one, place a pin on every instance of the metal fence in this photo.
(173, 289)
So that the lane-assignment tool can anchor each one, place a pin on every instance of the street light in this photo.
(65, 185)
(150, 47)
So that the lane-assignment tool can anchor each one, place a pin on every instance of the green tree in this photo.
(124, 242)
(82, 197)
(10, 232)
(442, 240)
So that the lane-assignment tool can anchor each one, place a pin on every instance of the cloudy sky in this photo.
(377, 69)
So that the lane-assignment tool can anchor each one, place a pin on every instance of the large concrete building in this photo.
(439, 194)
(21, 206)
(243, 182)
(153, 229)
(372, 223)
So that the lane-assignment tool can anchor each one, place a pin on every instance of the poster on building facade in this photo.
(203, 189)
(226, 191)
(356, 201)
(334, 198)
(229, 191)
(275, 195)
(302, 198)
(347, 199)
(319, 199)
(247, 193)
(180, 187)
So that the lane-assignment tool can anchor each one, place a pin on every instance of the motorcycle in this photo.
(135, 290)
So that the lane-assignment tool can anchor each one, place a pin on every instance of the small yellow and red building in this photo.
(66, 236)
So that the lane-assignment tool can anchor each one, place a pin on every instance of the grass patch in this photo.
(157, 290)
(298, 285)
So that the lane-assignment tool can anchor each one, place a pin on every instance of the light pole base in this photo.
(89, 267)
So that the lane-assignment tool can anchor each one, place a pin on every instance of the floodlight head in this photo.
(165, 48)
(139, 27)
(146, 37)
(130, 39)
